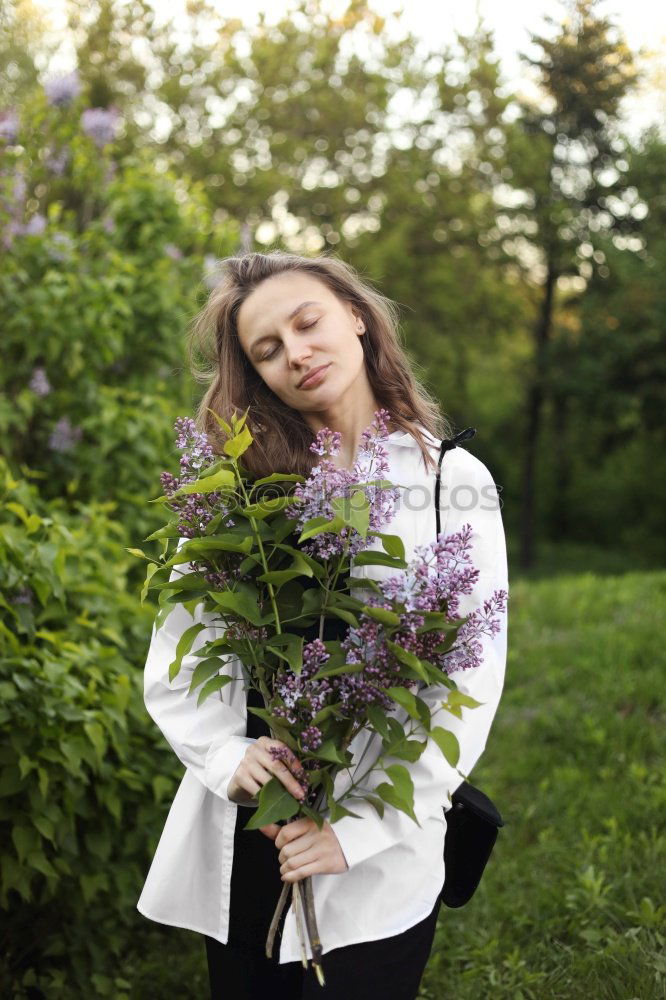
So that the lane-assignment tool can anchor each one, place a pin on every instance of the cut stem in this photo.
(299, 923)
(272, 930)
(313, 930)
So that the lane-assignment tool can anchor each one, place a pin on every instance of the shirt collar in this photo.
(405, 439)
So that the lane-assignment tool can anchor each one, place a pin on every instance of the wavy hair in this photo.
(282, 437)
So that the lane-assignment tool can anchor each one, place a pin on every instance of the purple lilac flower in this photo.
(56, 161)
(64, 435)
(196, 510)
(61, 246)
(284, 754)
(100, 124)
(19, 191)
(39, 383)
(62, 90)
(301, 697)
(9, 126)
(435, 579)
(35, 226)
(326, 483)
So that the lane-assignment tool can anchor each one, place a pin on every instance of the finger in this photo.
(283, 774)
(300, 873)
(258, 773)
(294, 764)
(249, 785)
(297, 847)
(290, 831)
(271, 831)
(292, 865)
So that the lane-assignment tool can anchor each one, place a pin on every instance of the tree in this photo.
(568, 161)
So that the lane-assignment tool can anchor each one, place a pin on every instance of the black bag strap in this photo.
(446, 445)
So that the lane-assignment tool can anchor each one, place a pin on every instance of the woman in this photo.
(305, 344)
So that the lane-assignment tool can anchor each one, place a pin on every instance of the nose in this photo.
(296, 353)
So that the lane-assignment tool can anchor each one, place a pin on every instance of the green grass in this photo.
(571, 906)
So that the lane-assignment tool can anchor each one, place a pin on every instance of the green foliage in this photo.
(95, 310)
(83, 775)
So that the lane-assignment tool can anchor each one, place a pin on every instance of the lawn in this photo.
(572, 903)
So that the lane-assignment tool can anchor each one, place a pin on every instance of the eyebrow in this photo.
(267, 336)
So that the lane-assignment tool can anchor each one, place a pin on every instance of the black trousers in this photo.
(390, 967)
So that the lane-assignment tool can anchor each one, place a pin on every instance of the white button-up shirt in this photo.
(396, 868)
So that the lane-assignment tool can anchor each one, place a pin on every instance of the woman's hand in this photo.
(306, 850)
(258, 766)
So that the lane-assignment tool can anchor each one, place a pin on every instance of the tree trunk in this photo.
(534, 405)
(560, 521)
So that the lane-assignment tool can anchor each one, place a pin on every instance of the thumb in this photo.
(271, 831)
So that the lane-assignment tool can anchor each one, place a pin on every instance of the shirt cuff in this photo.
(222, 762)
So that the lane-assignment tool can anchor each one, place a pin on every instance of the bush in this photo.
(83, 771)
(103, 271)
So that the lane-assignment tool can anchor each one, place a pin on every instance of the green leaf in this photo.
(354, 511)
(393, 545)
(316, 525)
(371, 557)
(313, 814)
(220, 480)
(377, 803)
(345, 615)
(280, 477)
(207, 668)
(345, 668)
(413, 705)
(95, 734)
(329, 751)
(45, 827)
(409, 659)
(138, 553)
(151, 569)
(239, 603)
(265, 508)
(337, 811)
(274, 803)
(383, 615)
(460, 698)
(400, 793)
(214, 684)
(183, 647)
(277, 577)
(447, 743)
(235, 446)
(378, 721)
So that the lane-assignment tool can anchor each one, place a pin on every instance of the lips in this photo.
(310, 375)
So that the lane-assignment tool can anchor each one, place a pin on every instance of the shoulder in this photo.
(458, 464)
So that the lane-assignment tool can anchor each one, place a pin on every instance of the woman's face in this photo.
(293, 323)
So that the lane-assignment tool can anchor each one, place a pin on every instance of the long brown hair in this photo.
(281, 435)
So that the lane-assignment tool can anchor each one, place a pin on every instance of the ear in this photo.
(358, 322)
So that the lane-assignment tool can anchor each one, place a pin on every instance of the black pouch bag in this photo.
(473, 821)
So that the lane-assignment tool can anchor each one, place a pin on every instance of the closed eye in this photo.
(267, 357)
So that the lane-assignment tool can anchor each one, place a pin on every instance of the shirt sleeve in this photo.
(208, 739)
(472, 498)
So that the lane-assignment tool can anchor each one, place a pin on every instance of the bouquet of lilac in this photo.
(255, 549)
